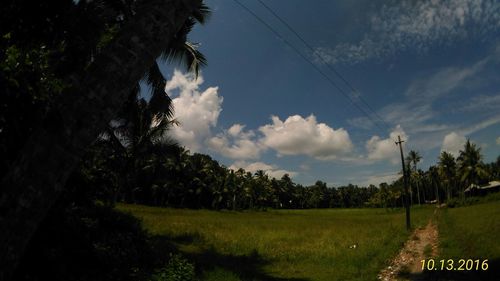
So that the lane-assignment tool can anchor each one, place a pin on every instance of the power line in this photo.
(351, 87)
(309, 61)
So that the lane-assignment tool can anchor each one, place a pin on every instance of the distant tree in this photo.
(493, 169)
(286, 187)
(413, 158)
(317, 195)
(470, 166)
(447, 171)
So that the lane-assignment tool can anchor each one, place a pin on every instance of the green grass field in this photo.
(283, 244)
(472, 232)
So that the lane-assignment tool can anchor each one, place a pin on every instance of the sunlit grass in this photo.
(471, 232)
(301, 244)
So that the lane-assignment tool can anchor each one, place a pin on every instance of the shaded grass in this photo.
(283, 244)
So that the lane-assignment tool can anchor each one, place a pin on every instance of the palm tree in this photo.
(141, 139)
(413, 158)
(470, 165)
(94, 98)
(434, 181)
(447, 171)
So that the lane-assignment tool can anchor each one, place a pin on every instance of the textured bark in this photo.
(38, 176)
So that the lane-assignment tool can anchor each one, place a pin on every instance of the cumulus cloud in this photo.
(196, 110)
(401, 25)
(453, 143)
(305, 136)
(386, 149)
(271, 170)
(235, 143)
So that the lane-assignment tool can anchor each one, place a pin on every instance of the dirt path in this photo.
(423, 243)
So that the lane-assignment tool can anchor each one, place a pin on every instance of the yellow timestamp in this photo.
(450, 264)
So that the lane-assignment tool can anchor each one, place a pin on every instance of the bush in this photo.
(177, 269)
(457, 202)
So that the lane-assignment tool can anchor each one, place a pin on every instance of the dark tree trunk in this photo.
(39, 174)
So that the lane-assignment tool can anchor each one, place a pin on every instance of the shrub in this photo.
(177, 269)
(457, 202)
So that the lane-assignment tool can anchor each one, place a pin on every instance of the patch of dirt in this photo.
(423, 244)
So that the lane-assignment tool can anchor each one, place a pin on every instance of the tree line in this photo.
(134, 161)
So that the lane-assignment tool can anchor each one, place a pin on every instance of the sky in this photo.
(427, 71)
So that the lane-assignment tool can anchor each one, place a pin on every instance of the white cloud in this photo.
(481, 103)
(453, 143)
(444, 81)
(419, 25)
(298, 135)
(271, 170)
(378, 179)
(386, 149)
(236, 144)
(197, 111)
(480, 125)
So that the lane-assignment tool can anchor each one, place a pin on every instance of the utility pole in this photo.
(405, 181)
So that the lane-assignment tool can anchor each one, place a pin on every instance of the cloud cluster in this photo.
(402, 25)
(385, 149)
(453, 143)
(305, 136)
(235, 143)
(196, 111)
(271, 170)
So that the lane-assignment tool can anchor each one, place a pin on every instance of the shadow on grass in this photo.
(492, 274)
(246, 267)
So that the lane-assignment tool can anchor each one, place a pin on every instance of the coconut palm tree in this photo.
(142, 142)
(470, 165)
(447, 171)
(94, 97)
(413, 158)
(434, 180)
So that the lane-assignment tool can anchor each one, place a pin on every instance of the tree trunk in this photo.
(39, 174)
(418, 193)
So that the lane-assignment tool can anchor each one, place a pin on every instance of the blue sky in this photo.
(429, 69)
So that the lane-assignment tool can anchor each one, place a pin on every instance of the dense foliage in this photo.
(44, 47)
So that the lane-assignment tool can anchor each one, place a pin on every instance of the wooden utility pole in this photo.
(405, 181)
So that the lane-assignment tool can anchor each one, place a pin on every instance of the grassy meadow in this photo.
(472, 232)
(282, 244)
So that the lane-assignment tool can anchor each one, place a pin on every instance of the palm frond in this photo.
(194, 58)
(185, 52)
(160, 102)
(202, 13)
(160, 126)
